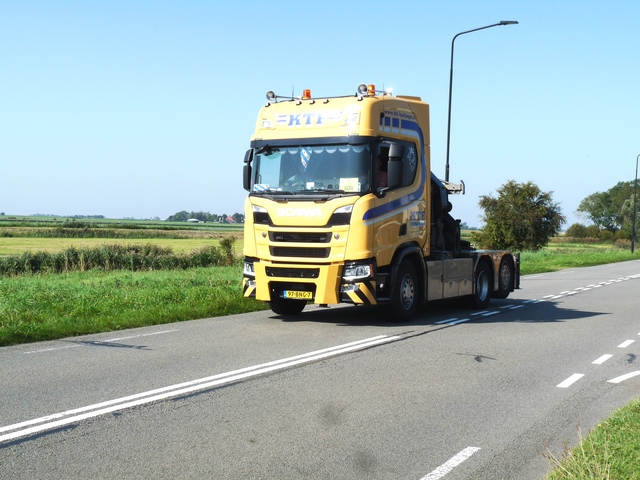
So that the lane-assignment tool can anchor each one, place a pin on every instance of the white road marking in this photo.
(109, 406)
(602, 359)
(101, 341)
(449, 320)
(450, 464)
(462, 320)
(624, 377)
(571, 380)
(626, 343)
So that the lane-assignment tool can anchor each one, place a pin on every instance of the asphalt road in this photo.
(337, 394)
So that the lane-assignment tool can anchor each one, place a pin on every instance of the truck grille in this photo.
(293, 272)
(300, 237)
(300, 252)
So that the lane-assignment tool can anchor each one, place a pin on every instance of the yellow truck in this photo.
(343, 208)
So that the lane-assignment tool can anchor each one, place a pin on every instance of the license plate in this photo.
(297, 294)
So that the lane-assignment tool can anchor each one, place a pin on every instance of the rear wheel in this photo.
(482, 293)
(505, 279)
(283, 306)
(404, 298)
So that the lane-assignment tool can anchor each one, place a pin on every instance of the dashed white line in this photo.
(624, 377)
(626, 343)
(602, 359)
(462, 320)
(448, 320)
(450, 464)
(571, 380)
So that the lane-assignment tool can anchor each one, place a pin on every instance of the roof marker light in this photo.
(371, 89)
(306, 94)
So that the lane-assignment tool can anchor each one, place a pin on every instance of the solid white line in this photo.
(622, 378)
(450, 464)
(602, 359)
(626, 343)
(183, 388)
(571, 380)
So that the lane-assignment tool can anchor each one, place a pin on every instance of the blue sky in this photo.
(145, 108)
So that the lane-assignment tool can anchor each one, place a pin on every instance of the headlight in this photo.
(357, 271)
(247, 269)
(345, 209)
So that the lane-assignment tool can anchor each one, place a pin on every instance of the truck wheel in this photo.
(505, 279)
(482, 294)
(287, 307)
(404, 298)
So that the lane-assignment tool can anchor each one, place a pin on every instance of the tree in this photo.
(522, 217)
(605, 209)
(627, 213)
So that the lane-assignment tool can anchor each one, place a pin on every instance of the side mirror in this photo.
(396, 151)
(246, 171)
(395, 165)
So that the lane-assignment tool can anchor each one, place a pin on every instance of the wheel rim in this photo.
(505, 276)
(407, 292)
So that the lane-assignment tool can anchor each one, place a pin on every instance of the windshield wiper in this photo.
(325, 190)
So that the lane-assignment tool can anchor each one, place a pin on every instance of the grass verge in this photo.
(610, 451)
(49, 306)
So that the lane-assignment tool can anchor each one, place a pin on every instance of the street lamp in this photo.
(633, 228)
(503, 22)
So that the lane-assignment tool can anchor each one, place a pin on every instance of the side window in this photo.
(410, 164)
(403, 163)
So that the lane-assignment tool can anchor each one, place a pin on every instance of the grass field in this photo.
(17, 245)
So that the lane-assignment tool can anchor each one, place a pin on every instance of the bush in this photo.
(577, 230)
(607, 236)
(117, 257)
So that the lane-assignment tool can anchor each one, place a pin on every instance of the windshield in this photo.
(315, 168)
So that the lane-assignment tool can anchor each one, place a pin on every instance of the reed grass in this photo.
(132, 257)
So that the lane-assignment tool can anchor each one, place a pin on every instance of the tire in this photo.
(405, 293)
(482, 286)
(282, 306)
(505, 278)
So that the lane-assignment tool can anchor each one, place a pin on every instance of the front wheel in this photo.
(283, 306)
(404, 298)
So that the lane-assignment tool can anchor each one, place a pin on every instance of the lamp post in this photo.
(633, 227)
(503, 22)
